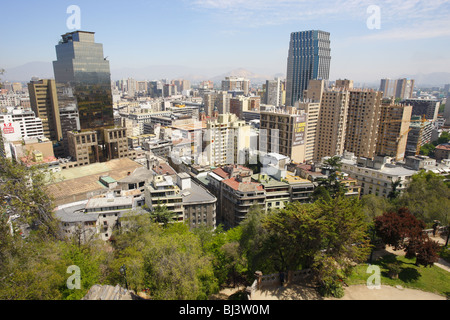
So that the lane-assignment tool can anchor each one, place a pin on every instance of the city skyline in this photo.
(220, 36)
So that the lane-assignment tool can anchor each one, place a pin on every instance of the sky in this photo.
(406, 37)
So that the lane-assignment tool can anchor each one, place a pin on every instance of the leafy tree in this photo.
(162, 215)
(443, 138)
(24, 191)
(427, 197)
(175, 268)
(332, 186)
(328, 237)
(402, 230)
(427, 150)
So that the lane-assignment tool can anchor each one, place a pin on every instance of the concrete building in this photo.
(419, 134)
(17, 124)
(237, 84)
(332, 123)
(227, 140)
(424, 107)
(376, 176)
(397, 89)
(442, 152)
(393, 130)
(363, 118)
(283, 131)
(312, 111)
(186, 199)
(84, 147)
(44, 103)
(274, 92)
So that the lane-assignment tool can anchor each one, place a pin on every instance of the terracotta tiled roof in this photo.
(221, 173)
(236, 185)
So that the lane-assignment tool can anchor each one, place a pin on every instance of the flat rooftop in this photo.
(75, 184)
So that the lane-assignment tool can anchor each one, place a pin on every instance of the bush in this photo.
(331, 288)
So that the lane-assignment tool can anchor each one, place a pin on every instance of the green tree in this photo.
(161, 214)
(23, 189)
(332, 186)
(427, 150)
(427, 197)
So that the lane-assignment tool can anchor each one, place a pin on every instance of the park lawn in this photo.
(430, 279)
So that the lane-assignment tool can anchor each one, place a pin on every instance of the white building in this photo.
(376, 176)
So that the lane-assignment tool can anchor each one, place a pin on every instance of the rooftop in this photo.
(75, 184)
(196, 194)
(243, 186)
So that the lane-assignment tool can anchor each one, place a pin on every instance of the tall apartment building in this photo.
(308, 58)
(312, 111)
(400, 88)
(362, 122)
(315, 90)
(283, 131)
(419, 134)
(332, 123)
(236, 84)
(274, 92)
(424, 107)
(227, 140)
(393, 130)
(44, 103)
(222, 102)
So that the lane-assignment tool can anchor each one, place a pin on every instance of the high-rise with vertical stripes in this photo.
(309, 58)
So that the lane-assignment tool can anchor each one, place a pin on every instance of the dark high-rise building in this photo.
(80, 63)
(309, 59)
(83, 81)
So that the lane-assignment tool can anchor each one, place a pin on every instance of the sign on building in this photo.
(299, 127)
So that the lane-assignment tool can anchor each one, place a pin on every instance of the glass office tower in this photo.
(309, 58)
(80, 64)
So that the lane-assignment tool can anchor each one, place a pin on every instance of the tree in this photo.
(162, 215)
(326, 236)
(332, 186)
(24, 190)
(427, 197)
(427, 150)
(402, 230)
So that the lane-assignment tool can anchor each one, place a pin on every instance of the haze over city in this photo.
(205, 39)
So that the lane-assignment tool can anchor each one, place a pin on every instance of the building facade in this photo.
(308, 58)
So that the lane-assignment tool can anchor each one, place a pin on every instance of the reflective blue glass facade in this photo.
(309, 58)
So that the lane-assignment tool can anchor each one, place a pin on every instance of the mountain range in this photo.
(44, 70)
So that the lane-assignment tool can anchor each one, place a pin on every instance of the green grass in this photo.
(445, 253)
(430, 279)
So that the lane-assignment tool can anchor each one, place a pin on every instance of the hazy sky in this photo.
(414, 36)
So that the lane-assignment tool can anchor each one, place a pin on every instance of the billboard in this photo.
(8, 128)
(299, 127)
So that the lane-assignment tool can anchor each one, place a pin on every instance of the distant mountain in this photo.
(44, 70)
(25, 72)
